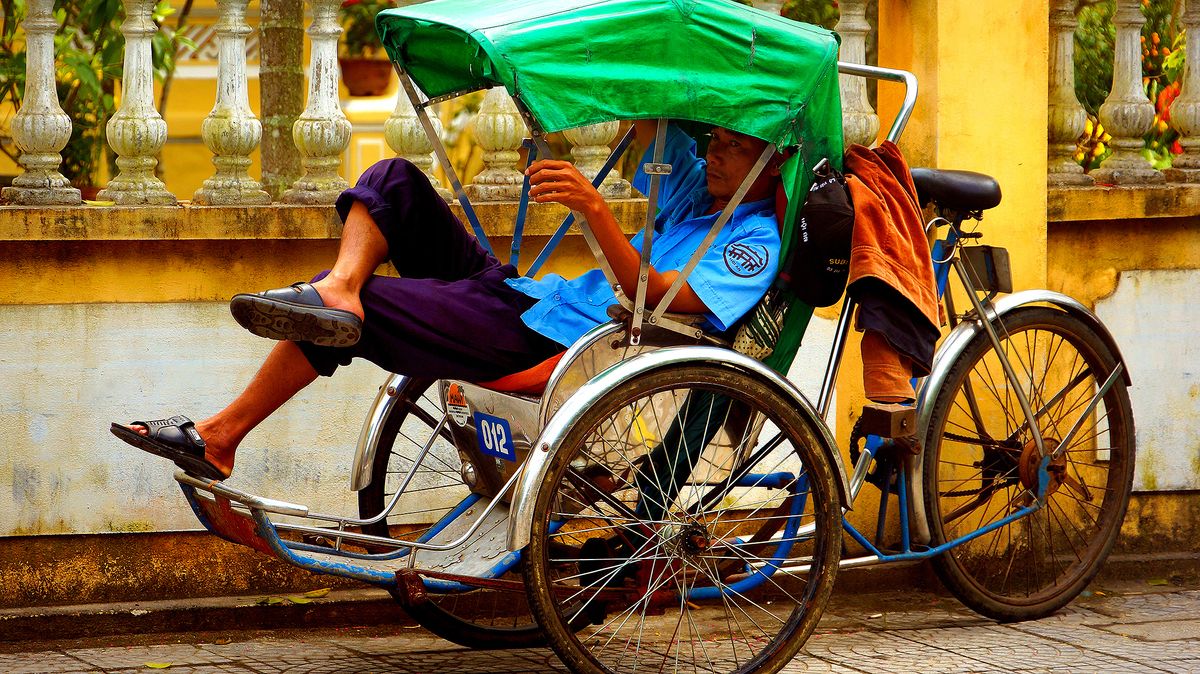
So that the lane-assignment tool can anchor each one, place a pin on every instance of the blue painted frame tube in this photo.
(613, 158)
(933, 552)
(799, 494)
(514, 251)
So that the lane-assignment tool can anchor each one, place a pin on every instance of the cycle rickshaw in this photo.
(654, 500)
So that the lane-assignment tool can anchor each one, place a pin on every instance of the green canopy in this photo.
(577, 62)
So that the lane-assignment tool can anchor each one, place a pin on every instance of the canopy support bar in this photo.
(559, 233)
(643, 283)
(726, 214)
(440, 150)
(539, 141)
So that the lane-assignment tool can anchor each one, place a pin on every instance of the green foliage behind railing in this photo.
(1162, 68)
(89, 52)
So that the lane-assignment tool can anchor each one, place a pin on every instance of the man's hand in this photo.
(559, 181)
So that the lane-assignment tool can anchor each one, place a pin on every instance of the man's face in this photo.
(730, 157)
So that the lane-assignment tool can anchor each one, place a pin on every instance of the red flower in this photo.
(347, 3)
(1176, 148)
(1165, 98)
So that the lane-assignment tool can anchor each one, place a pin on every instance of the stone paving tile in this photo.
(271, 650)
(1152, 606)
(888, 652)
(415, 639)
(1001, 643)
(1189, 666)
(1105, 641)
(806, 662)
(41, 663)
(138, 656)
(234, 668)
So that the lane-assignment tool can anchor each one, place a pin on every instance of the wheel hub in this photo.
(688, 540)
(1031, 458)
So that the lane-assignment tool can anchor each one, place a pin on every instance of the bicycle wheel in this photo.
(479, 619)
(666, 518)
(981, 465)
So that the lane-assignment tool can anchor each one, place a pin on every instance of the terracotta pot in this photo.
(366, 76)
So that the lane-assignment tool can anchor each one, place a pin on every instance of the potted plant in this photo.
(366, 70)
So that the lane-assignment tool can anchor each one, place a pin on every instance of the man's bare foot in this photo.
(337, 294)
(217, 453)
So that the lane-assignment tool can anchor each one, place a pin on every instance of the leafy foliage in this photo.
(818, 12)
(359, 39)
(89, 54)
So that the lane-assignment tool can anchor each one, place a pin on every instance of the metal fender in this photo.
(952, 349)
(368, 438)
(548, 443)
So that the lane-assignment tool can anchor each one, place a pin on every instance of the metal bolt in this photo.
(391, 390)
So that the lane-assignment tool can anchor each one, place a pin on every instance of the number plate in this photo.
(495, 437)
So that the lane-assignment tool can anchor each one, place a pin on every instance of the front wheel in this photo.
(692, 516)
(481, 618)
(981, 465)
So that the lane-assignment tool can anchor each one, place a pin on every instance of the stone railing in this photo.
(320, 134)
(1127, 114)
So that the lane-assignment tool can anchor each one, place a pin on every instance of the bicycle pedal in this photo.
(888, 421)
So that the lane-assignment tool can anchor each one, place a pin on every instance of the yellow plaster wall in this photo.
(981, 107)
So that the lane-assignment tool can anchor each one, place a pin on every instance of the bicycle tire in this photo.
(714, 516)
(478, 619)
(977, 472)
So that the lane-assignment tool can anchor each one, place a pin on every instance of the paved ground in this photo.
(1133, 628)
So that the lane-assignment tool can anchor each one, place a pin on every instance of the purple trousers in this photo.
(449, 315)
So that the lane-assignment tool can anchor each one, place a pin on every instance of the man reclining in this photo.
(456, 312)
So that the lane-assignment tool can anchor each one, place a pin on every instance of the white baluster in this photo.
(1127, 114)
(137, 132)
(1185, 111)
(499, 130)
(406, 137)
(41, 129)
(322, 133)
(1066, 117)
(231, 132)
(860, 124)
(589, 149)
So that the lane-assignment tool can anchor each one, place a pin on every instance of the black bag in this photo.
(819, 262)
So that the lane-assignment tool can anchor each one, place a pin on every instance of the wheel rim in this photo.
(987, 466)
(478, 618)
(660, 552)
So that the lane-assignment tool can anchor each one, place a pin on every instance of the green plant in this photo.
(1162, 67)
(823, 13)
(89, 53)
(359, 39)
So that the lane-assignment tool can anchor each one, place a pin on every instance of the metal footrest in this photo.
(473, 537)
(246, 522)
(485, 554)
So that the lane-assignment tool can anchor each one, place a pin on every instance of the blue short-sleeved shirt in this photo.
(731, 278)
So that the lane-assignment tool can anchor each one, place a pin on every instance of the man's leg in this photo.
(284, 373)
(360, 253)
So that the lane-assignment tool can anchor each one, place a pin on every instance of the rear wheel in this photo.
(480, 619)
(668, 516)
(981, 465)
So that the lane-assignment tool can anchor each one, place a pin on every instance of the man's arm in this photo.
(559, 181)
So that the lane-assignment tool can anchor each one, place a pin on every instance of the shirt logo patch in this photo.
(746, 259)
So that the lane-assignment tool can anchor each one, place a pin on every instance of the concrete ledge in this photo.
(1074, 204)
(276, 221)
